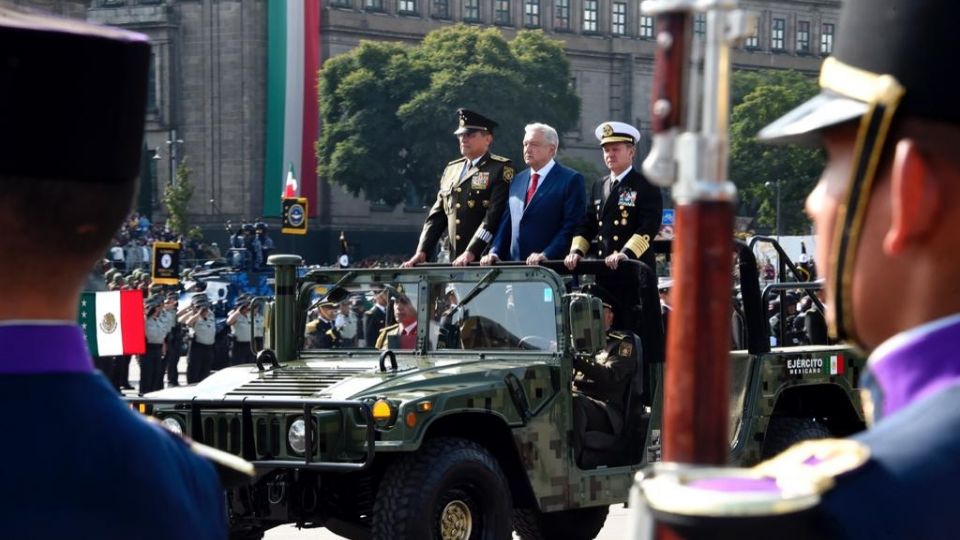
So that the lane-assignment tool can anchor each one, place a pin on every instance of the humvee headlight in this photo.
(173, 425)
(384, 413)
(297, 436)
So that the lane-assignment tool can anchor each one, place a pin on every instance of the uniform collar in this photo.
(915, 363)
(39, 347)
(620, 176)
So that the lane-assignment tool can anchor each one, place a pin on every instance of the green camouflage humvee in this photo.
(470, 433)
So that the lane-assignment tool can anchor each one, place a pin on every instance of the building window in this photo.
(590, 15)
(803, 37)
(777, 31)
(501, 14)
(826, 39)
(562, 15)
(407, 6)
(700, 25)
(471, 10)
(619, 18)
(373, 5)
(531, 13)
(340, 3)
(646, 26)
(152, 85)
(441, 9)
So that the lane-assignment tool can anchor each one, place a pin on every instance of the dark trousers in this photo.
(172, 359)
(241, 353)
(121, 372)
(151, 368)
(199, 360)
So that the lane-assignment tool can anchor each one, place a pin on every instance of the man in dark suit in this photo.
(104, 458)
(545, 205)
(473, 190)
(624, 212)
(375, 318)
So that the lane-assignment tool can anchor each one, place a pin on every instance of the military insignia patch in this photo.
(607, 130)
(626, 349)
(480, 181)
(508, 174)
(628, 198)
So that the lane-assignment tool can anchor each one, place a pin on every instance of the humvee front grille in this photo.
(295, 382)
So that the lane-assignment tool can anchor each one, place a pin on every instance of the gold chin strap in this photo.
(882, 93)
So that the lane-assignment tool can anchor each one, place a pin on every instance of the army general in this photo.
(472, 196)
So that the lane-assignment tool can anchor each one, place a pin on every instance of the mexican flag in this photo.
(292, 121)
(113, 322)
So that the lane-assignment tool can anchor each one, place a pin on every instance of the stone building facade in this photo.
(208, 95)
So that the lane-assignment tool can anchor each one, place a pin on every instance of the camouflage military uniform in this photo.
(601, 383)
(468, 208)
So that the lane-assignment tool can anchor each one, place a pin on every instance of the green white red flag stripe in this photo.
(836, 365)
(113, 322)
(293, 60)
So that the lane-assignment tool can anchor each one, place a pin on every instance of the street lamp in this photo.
(770, 184)
(172, 144)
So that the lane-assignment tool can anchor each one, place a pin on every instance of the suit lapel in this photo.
(542, 188)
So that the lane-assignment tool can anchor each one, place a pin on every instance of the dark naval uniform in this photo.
(468, 209)
(325, 334)
(627, 220)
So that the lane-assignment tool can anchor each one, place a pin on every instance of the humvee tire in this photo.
(451, 489)
(785, 431)
(579, 524)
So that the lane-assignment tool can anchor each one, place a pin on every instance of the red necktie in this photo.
(532, 188)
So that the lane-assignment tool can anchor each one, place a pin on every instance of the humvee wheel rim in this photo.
(456, 521)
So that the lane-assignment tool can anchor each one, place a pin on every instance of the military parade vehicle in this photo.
(470, 433)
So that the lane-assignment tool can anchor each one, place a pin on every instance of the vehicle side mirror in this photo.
(586, 323)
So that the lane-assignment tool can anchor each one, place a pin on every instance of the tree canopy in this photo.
(388, 110)
(759, 98)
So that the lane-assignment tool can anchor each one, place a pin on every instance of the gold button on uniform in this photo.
(459, 190)
(458, 222)
(600, 237)
(600, 224)
(621, 208)
(458, 237)
(615, 238)
(458, 205)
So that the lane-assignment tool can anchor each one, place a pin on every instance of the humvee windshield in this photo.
(503, 316)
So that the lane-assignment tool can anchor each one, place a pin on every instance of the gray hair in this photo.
(548, 133)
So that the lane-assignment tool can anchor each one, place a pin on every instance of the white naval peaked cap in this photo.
(610, 132)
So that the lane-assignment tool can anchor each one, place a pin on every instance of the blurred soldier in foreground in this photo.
(114, 474)
(886, 222)
(472, 196)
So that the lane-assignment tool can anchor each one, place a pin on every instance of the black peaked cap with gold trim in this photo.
(913, 41)
(473, 121)
(72, 99)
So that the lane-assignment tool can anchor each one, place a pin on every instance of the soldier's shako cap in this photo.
(612, 132)
(911, 41)
(472, 121)
(84, 85)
